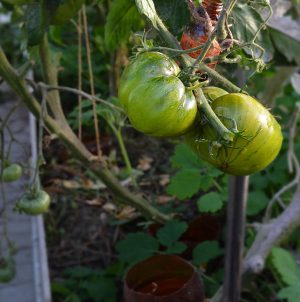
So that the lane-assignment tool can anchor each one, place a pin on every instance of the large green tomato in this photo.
(256, 144)
(154, 98)
(34, 204)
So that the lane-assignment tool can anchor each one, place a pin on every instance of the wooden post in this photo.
(236, 210)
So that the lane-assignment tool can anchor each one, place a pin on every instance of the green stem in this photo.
(203, 105)
(119, 137)
(229, 86)
(206, 48)
(184, 59)
(221, 25)
(50, 75)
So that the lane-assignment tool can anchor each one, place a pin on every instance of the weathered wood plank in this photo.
(31, 283)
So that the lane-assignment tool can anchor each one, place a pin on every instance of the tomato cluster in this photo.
(158, 104)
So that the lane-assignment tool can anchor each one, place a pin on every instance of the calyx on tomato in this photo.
(12, 172)
(34, 203)
(7, 269)
(154, 98)
(257, 141)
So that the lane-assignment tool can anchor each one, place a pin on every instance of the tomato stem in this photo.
(203, 106)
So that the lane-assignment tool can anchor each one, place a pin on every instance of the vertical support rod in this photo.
(238, 193)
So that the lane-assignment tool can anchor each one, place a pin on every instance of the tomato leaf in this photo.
(64, 10)
(185, 183)
(171, 232)
(147, 8)
(100, 289)
(210, 202)
(245, 31)
(286, 45)
(291, 293)
(174, 13)
(36, 23)
(122, 18)
(286, 266)
(184, 157)
(257, 201)
(137, 247)
(206, 251)
(176, 248)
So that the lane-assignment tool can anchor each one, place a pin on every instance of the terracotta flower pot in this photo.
(163, 278)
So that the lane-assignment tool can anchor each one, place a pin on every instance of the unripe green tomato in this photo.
(155, 99)
(12, 173)
(65, 11)
(254, 147)
(7, 269)
(34, 204)
(212, 92)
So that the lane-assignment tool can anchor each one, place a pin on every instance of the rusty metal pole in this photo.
(236, 212)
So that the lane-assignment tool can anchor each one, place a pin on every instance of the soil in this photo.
(85, 222)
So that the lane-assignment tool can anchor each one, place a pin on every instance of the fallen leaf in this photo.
(109, 207)
(126, 213)
(95, 202)
(163, 199)
(164, 179)
(145, 163)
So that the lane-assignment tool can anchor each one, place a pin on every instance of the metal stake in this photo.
(238, 192)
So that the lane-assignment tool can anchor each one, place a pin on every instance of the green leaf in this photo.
(176, 248)
(286, 46)
(137, 247)
(101, 289)
(174, 13)
(78, 272)
(171, 232)
(291, 293)
(59, 289)
(185, 183)
(64, 10)
(286, 266)
(206, 251)
(210, 202)
(184, 157)
(36, 23)
(257, 201)
(245, 31)
(147, 8)
(122, 18)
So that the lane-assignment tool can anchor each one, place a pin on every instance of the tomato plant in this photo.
(257, 141)
(34, 203)
(12, 172)
(7, 269)
(154, 98)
